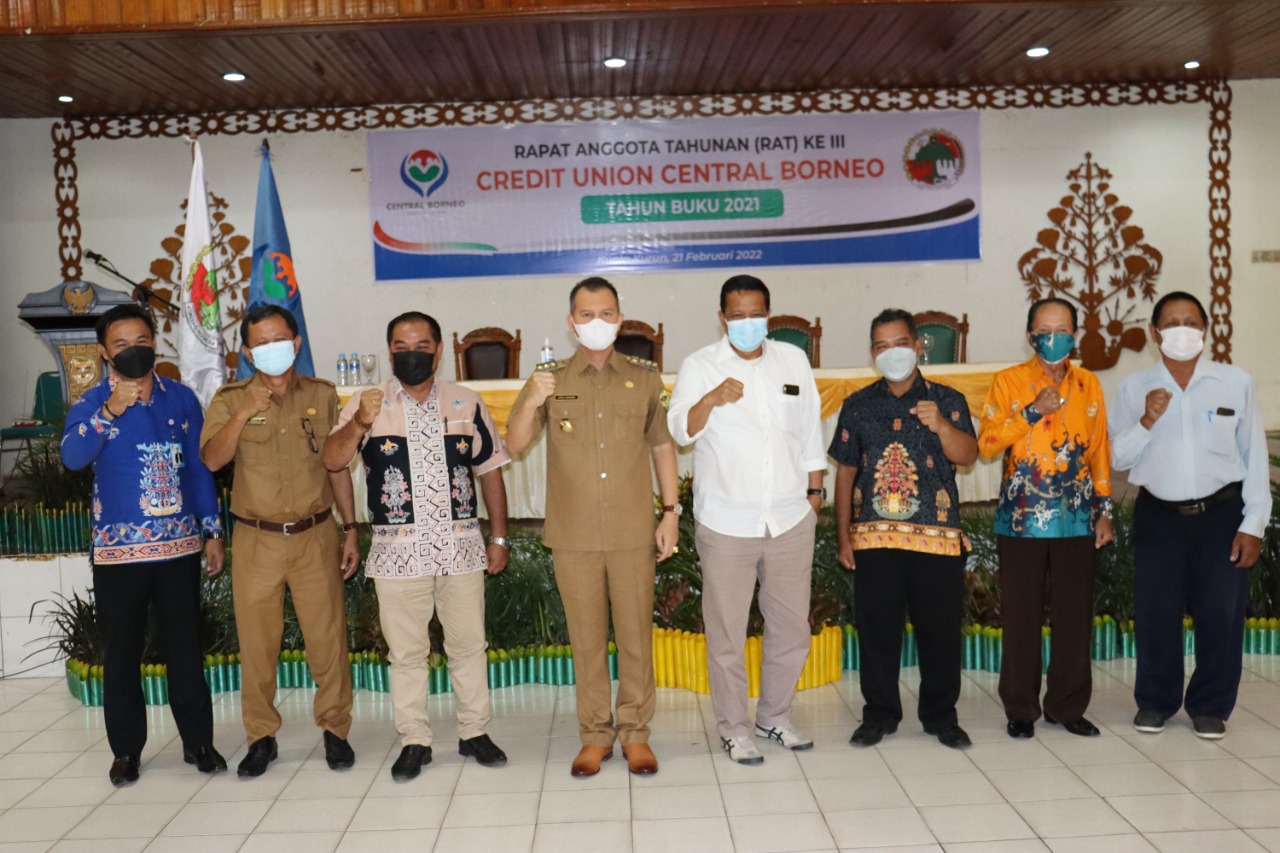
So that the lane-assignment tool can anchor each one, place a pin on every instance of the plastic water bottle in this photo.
(353, 369)
(546, 353)
(342, 368)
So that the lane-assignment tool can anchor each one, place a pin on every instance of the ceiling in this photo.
(554, 50)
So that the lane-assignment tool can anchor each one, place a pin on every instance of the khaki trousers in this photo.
(590, 583)
(405, 606)
(308, 564)
(730, 567)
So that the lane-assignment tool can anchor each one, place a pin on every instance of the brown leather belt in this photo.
(288, 528)
(1226, 493)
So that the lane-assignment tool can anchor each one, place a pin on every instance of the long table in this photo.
(526, 475)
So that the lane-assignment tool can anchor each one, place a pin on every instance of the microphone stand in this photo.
(148, 295)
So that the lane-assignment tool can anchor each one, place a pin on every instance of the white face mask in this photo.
(896, 364)
(1181, 343)
(597, 335)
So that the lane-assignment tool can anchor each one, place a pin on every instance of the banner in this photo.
(272, 280)
(200, 351)
(657, 195)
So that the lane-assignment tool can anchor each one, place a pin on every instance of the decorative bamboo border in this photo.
(1217, 94)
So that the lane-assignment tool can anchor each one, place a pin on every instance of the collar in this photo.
(918, 390)
(579, 364)
(1204, 369)
(407, 399)
(1037, 369)
(726, 352)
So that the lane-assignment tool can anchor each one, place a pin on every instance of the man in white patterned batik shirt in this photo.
(424, 443)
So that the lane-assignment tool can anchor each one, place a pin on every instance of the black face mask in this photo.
(134, 362)
(413, 367)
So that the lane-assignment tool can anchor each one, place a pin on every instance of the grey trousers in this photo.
(730, 567)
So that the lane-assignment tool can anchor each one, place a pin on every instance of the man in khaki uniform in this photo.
(604, 420)
(273, 426)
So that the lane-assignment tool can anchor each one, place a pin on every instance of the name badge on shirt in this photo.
(566, 397)
(258, 421)
(791, 390)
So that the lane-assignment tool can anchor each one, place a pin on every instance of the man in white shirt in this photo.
(1190, 430)
(751, 408)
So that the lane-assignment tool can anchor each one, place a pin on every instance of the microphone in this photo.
(94, 256)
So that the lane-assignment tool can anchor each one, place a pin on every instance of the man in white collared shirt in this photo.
(1191, 432)
(751, 408)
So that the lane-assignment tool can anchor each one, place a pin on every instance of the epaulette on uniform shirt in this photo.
(642, 362)
(558, 364)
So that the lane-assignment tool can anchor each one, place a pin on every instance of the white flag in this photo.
(200, 350)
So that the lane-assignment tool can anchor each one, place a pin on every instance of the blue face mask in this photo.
(1053, 347)
(273, 359)
(747, 335)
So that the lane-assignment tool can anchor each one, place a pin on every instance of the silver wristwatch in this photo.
(504, 541)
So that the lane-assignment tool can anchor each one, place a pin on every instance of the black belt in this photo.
(288, 528)
(1226, 493)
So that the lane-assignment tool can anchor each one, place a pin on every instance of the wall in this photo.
(131, 192)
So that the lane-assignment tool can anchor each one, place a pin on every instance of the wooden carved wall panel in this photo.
(1044, 96)
(1094, 256)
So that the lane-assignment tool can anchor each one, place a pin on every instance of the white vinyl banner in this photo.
(692, 193)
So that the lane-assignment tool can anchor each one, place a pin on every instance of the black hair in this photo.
(123, 312)
(258, 313)
(1054, 300)
(592, 285)
(893, 315)
(1177, 296)
(415, 317)
(740, 283)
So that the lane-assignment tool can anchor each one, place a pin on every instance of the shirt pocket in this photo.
(255, 442)
(566, 421)
(628, 422)
(789, 411)
(1222, 434)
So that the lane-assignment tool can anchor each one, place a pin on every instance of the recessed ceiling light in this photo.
(66, 99)
(1192, 65)
(233, 77)
(615, 62)
(1037, 52)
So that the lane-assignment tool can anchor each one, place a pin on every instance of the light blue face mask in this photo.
(273, 359)
(1053, 347)
(747, 335)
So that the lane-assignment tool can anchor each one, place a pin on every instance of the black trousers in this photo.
(1183, 565)
(888, 585)
(1066, 566)
(124, 593)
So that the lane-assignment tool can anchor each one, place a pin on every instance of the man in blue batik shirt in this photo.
(153, 505)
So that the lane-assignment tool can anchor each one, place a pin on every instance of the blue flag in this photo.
(273, 281)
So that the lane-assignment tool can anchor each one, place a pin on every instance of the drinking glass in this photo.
(926, 344)
(369, 362)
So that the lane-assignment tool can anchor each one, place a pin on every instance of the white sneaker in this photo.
(741, 750)
(785, 735)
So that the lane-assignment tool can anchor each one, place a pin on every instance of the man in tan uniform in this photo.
(604, 420)
(273, 426)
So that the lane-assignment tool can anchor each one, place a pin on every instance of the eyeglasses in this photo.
(311, 434)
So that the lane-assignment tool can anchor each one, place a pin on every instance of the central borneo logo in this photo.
(424, 171)
(933, 158)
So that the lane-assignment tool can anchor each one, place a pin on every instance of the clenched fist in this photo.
(370, 403)
(1157, 401)
(543, 383)
(257, 399)
(728, 391)
(929, 415)
(125, 394)
(1048, 401)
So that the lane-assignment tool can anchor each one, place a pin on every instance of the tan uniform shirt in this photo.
(601, 428)
(279, 476)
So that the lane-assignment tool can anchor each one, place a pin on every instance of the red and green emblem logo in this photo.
(424, 171)
(278, 279)
(933, 159)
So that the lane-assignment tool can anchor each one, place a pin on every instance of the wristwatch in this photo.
(214, 534)
(504, 541)
(817, 493)
(347, 528)
(676, 509)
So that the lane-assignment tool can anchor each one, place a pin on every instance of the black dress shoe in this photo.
(869, 734)
(338, 754)
(124, 771)
(483, 750)
(261, 753)
(950, 735)
(1081, 727)
(1021, 728)
(206, 759)
(412, 759)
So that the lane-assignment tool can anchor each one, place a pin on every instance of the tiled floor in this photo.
(1120, 792)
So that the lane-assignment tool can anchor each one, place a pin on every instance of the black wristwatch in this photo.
(347, 528)
(817, 493)
(214, 534)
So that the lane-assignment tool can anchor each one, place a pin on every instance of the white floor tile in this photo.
(1248, 809)
(770, 834)
(1072, 818)
(872, 792)
(1039, 783)
(1219, 774)
(1220, 841)
(768, 798)
(100, 845)
(878, 828)
(590, 837)
(196, 844)
(400, 813)
(1130, 842)
(488, 810)
(584, 805)
(40, 824)
(1168, 813)
(134, 821)
(687, 835)
(302, 816)
(1119, 780)
(509, 839)
(994, 822)
(218, 818)
(387, 841)
(651, 803)
(292, 842)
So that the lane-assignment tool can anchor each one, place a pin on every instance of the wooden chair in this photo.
(48, 411)
(639, 339)
(950, 336)
(799, 331)
(487, 353)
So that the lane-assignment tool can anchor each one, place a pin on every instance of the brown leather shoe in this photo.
(640, 759)
(588, 761)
